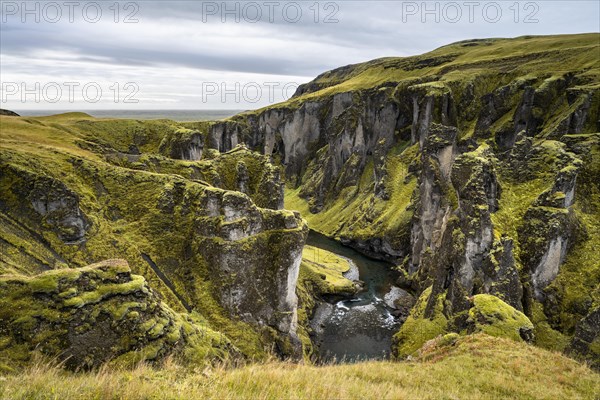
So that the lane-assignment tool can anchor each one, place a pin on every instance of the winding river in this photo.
(360, 327)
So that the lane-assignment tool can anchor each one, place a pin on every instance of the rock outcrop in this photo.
(586, 340)
(464, 171)
(8, 113)
(474, 168)
(95, 314)
(483, 313)
(203, 248)
(491, 315)
(48, 202)
(183, 144)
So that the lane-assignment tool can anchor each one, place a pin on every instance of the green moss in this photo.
(576, 287)
(137, 283)
(325, 269)
(494, 317)
(515, 199)
(140, 326)
(307, 293)
(153, 205)
(47, 284)
(135, 205)
(158, 329)
(126, 309)
(449, 339)
(545, 335)
(418, 329)
(356, 213)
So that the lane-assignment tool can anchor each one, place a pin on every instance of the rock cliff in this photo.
(473, 167)
(76, 190)
(91, 315)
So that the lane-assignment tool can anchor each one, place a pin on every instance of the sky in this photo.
(145, 55)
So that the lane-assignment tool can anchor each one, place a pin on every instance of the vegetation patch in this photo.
(418, 329)
(326, 270)
(494, 317)
(473, 367)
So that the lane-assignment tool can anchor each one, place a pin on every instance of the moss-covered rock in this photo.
(203, 248)
(95, 314)
(474, 167)
(498, 172)
(48, 203)
(487, 314)
(419, 328)
(183, 144)
(586, 341)
(494, 317)
(350, 119)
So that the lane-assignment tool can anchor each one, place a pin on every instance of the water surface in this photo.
(360, 327)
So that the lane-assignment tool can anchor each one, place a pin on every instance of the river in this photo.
(360, 327)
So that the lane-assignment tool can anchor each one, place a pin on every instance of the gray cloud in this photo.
(173, 38)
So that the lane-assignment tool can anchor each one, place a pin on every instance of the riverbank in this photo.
(360, 326)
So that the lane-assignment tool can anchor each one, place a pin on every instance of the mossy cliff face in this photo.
(474, 167)
(348, 122)
(91, 315)
(165, 147)
(485, 313)
(73, 192)
(57, 208)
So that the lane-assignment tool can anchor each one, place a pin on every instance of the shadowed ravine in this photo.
(360, 327)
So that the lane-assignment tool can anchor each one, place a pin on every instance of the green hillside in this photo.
(478, 367)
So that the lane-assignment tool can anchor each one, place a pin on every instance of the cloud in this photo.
(175, 47)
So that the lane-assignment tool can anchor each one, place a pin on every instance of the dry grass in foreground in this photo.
(477, 367)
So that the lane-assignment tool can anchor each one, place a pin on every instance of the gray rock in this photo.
(8, 113)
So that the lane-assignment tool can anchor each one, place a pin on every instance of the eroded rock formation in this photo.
(95, 314)
(467, 178)
(203, 248)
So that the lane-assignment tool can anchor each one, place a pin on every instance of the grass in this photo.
(126, 204)
(328, 268)
(356, 212)
(553, 55)
(476, 367)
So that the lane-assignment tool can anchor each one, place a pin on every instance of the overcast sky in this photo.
(239, 55)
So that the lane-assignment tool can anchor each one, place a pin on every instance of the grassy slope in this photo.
(65, 146)
(357, 212)
(476, 367)
(552, 55)
(329, 268)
